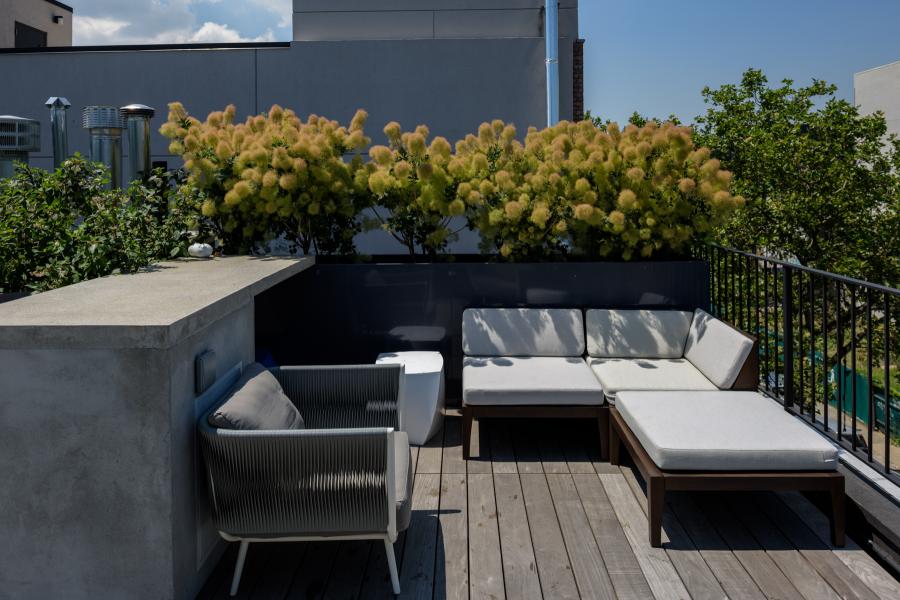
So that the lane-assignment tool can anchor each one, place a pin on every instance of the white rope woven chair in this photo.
(337, 479)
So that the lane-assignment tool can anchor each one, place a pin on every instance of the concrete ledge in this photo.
(154, 308)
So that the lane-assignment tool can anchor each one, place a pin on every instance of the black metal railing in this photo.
(828, 346)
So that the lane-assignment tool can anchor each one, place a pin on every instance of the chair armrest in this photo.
(344, 395)
(300, 482)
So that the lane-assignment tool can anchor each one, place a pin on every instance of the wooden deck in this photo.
(534, 514)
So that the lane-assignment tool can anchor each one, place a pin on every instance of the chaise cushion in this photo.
(541, 380)
(620, 374)
(722, 431)
(523, 332)
(716, 349)
(637, 333)
(256, 402)
(403, 479)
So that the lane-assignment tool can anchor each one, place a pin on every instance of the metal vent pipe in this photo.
(105, 125)
(551, 37)
(18, 137)
(137, 123)
(59, 108)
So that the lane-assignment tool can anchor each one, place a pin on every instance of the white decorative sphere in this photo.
(200, 250)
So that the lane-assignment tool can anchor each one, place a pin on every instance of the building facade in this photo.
(878, 89)
(35, 24)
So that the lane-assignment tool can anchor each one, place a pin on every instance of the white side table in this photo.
(423, 400)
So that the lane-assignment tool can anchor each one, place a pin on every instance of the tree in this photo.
(822, 182)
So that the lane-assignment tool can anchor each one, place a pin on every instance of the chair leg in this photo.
(392, 565)
(605, 437)
(615, 445)
(467, 431)
(656, 501)
(239, 567)
(838, 516)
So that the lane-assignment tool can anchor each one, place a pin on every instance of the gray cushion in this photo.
(256, 402)
(716, 349)
(529, 380)
(637, 333)
(723, 431)
(618, 374)
(403, 480)
(523, 332)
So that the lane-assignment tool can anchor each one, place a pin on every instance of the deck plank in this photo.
(856, 559)
(554, 569)
(624, 571)
(430, 455)
(485, 564)
(349, 569)
(587, 563)
(452, 557)
(278, 573)
(697, 576)
(480, 452)
(549, 445)
(656, 565)
(838, 575)
(525, 435)
(452, 460)
(575, 446)
(519, 566)
(311, 578)
(792, 563)
(503, 458)
(417, 571)
(755, 560)
(735, 580)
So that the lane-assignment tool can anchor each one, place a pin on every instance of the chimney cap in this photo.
(57, 102)
(138, 110)
(102, 117)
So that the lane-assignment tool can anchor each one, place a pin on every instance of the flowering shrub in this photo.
(409, 178)
(573, 187)
(273, 175)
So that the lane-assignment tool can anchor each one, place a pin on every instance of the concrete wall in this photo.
(879, 89)
(316, 20)
(38, 14)
(98, 417)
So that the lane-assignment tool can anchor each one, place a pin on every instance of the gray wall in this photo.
(879, 89)
(316, 20)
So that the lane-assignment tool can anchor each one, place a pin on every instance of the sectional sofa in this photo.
(569, 363)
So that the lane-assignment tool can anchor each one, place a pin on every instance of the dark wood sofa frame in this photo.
(747, 379)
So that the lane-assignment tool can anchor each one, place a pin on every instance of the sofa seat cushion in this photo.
(637, 333)
(403, 479)
(541, 380)
(722, 431)
(523, 332)
(256, 401)
(718, 350)
(619, 374)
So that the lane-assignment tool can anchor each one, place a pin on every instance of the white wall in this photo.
(879, 89)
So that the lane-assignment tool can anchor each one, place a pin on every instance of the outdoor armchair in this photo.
(345, 475)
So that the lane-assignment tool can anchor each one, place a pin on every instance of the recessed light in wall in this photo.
(59, 19)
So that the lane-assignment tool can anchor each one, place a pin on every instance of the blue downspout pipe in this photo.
(551, 37)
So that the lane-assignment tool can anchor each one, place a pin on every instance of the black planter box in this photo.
(343, 313)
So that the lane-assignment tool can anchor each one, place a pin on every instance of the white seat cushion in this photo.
(511, 381)
(523, 332)
(716, 349)
(722, 431)
(618, 374)
(637, 333)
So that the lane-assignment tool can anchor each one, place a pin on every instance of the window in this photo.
(29, 37)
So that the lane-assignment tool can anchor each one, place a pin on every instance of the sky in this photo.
(652, 56)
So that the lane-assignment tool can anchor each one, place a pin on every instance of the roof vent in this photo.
(18, 137)
(104, 125)
(102, 117)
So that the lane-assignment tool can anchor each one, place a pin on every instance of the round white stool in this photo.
(423, 400)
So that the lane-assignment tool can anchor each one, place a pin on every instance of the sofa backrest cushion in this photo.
(637, 333)
(716, 349)
(523, 332)
(256, 402)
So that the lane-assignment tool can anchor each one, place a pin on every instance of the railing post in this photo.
(787, 301)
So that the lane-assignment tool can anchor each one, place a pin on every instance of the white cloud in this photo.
(103, 22)
(216, 32)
